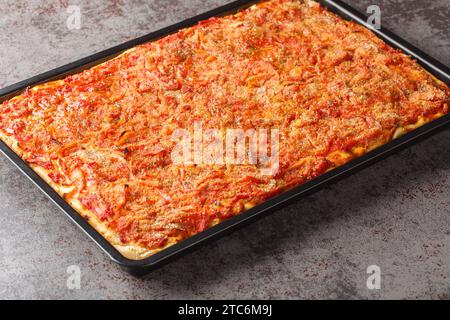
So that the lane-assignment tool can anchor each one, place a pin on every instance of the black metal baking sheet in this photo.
(144, 266)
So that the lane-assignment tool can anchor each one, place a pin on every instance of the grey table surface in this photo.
(395, 214)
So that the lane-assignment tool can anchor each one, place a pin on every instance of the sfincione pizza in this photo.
(103, 138)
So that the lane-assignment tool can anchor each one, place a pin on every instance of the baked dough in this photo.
(102, 138)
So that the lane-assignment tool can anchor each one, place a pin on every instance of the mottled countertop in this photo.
(395, 214)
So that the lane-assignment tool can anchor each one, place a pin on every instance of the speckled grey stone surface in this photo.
(395, 214)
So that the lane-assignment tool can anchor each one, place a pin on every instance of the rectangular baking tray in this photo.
(157, 260)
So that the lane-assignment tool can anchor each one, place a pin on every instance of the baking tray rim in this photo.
(139, 267)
